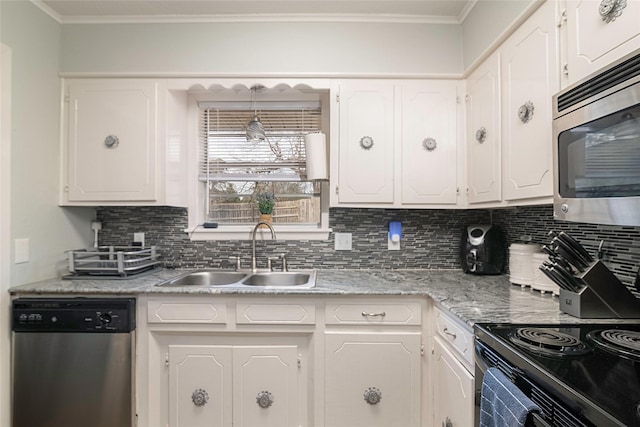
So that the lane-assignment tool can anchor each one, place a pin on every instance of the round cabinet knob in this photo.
(366, 142)
(429, 144)
(525, 112)
(447, 423)
(111, 141)
(611, 9)
(264, 399)
(372, 395)
(481, 134)
(200, 397)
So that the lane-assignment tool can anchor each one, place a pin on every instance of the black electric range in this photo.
(580, 375)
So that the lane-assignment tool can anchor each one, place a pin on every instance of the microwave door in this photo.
(601, 158)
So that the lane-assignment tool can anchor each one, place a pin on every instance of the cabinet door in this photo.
(594, 42)
(453, 391)
(366, 143)
(429, 143)
(112, 133)
(483, 139)
(529, 80)
(266, 392)
(200, 386)
(384, 366)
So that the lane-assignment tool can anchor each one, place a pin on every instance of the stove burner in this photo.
(619, 341)
(548, 342)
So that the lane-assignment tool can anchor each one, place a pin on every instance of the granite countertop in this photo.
(472, 298)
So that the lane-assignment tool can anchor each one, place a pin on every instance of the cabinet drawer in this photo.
(456, 334)
(260, 313)
(367, 314)
(186, 312)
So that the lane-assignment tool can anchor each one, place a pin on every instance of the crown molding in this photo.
(46, 9)
(249, 18)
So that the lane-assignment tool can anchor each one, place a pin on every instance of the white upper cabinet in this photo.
(598, 33)
(112, 140)
(483, 132)
(113, 143)
(397, 144)
(366, 143)
(529, 74)
(429, 143)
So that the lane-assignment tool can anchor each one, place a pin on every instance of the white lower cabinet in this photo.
(200, 385)
(281, 361)
(453, 389)
(218, 385)
(372, 379)
(452, 371)
(239, 385)
(224, 361)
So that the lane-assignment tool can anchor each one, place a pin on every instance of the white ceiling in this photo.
(69, 11)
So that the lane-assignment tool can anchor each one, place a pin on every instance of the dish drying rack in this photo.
(112, 260)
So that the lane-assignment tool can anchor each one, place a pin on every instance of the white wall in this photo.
(5, 230)
(486, 22)
(34, 39)
(264, 48)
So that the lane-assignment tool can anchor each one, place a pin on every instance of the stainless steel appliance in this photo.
(111, 261)
(596, 156)
(482, 249)
(73, 362)
(582, 375)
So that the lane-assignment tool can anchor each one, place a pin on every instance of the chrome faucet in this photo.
(254, 264)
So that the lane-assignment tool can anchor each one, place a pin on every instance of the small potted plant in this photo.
(266, 202)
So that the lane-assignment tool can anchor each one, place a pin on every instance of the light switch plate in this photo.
(343, 241)
(21, 251)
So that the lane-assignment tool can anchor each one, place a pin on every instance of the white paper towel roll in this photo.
(316, 151)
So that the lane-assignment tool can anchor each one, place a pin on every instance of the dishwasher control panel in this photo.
(113, 315)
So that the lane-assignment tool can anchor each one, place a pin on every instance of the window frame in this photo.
(197, 192)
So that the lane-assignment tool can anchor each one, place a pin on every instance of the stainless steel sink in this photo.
(276, 279)
(206, 278)
(266, 279)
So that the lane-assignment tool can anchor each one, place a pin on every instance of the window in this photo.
(234, 171)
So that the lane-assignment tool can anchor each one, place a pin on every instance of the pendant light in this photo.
(255, 130)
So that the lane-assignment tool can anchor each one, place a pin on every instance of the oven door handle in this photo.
(535, 420)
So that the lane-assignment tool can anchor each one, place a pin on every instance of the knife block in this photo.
(603, 297)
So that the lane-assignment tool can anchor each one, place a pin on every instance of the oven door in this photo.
(481, 365)
(597, 149)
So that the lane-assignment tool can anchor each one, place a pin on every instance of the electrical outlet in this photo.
(138, 238)
(343, 241)
(392, 245)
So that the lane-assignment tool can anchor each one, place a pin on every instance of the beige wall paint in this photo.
(5, 211)
(264, 48)
(486, 23)
(34, 39)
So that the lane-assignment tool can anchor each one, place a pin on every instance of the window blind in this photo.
(226, 155)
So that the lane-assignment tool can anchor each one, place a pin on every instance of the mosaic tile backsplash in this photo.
(430, 238)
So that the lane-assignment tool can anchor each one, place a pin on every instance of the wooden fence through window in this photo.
(302, 211)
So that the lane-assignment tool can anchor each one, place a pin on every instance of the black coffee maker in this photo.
(482, 249)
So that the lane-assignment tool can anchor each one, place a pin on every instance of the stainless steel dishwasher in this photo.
(73, 362)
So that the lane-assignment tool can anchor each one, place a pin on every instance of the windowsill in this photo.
(243, 232)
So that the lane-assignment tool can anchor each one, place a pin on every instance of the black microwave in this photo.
(596, 156)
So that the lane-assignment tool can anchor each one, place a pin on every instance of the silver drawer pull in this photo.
(381, 314)
(451, 334)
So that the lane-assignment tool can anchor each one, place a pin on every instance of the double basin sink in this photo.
(240, 279)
